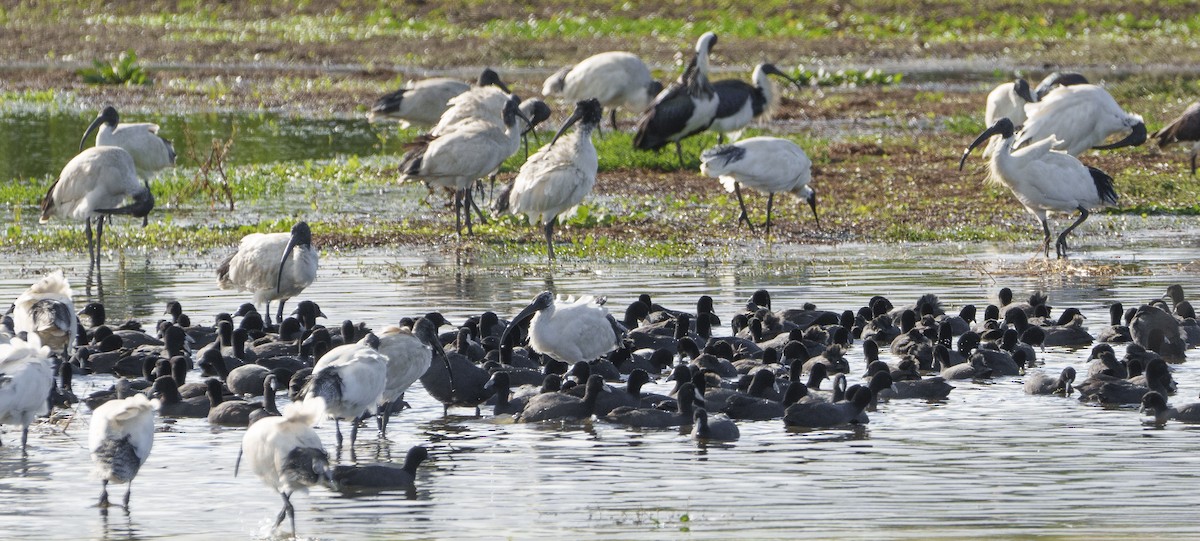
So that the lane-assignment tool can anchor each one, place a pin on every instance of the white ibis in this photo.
(47, 310)
(350, 378)
(558, 177)
(1057, 80)
(1044, 179)
(93, 185)
(25, 381)
(478, 104)
(1185, 128)
(421, 103)
(469, 151)
(151, 153)
(1080, 117)
(120, 438)
(685, 108)
(272, 266)
(1008, 101)
(767, 164)
(409, 353)
(615, 78)
(286, 453)
(740, 103)
(569, 330)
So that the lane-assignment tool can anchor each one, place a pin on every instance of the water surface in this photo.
(988, 462)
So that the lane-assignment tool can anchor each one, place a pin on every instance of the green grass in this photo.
(125, 70)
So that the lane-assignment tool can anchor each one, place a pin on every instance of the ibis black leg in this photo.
(1061, 245)
(679, 152)
(103, 503)
(612, 113)
(99, 240)
(770, 201)
(1046, 242)
(744, 217)
(549, 231)
(1194, 149)
(87, 232)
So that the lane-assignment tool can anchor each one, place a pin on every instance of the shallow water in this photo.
(989, 462)
(36, 143)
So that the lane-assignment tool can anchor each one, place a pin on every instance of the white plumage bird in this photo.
(569, 330)
(1044, 180)
(409, 353)
(421, 103)
(767, 164)
(94, 184)
(120, 438)
(47, 310)
(740, 103)
(684, 108)
(1008, 100)
(469, 151)
(1079, 117)
(25, 381)
(151, 153)
(558, 177)
(486, 103)
(350, 378)
(272, 266)
(286, 453)
(615, 78)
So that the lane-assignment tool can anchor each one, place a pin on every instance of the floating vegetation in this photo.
(125, 70)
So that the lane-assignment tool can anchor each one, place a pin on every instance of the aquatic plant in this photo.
(125, 70)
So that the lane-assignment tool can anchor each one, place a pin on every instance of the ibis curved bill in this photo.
(1044, 180)
(767, 164)
(559, 176)
(151, 153)
(569, 330)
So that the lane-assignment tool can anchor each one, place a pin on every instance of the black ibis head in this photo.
(588, 111)
(489, 77)
(1003, 127)
(1137, 136)
(512, 111)
(705, 44)
(544, 300)
(301, 236)
(1021, 87)
(107, 116)
(771, 69)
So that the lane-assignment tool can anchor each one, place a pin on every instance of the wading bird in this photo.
(350, 380)
(150, 152)
(25, 381)
(46, 309)
(685, 108)
(272, 266)
(615, 78)
(767, 164)
(469, 151)
(570, 331)
(1079, 117)
(740, 103)
(286, 453)
(1045, 180)
(93, 185)
(421, 103)
(120, 438)
(558, 177)
(1184, 129)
